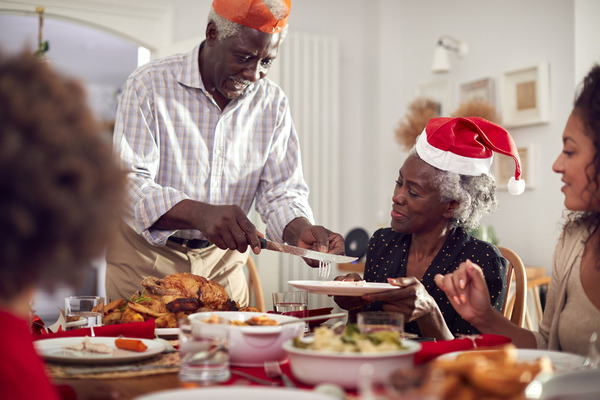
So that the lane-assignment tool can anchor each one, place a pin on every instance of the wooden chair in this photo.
(254, 286)
(515, 309)
(535, 286)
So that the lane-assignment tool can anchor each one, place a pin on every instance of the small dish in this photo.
(52, 350)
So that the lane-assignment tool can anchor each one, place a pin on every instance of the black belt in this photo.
(191, 243)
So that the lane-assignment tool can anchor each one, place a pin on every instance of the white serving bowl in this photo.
(251, 346)
(314, 367)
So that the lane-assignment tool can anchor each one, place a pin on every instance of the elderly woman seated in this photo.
(443, 189)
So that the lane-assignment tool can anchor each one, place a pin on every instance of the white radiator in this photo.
(309, 73)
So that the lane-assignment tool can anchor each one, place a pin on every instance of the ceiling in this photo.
(94, 56)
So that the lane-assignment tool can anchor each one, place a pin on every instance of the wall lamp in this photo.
(445, 44)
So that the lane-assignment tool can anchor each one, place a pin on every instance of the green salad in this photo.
(351, 340)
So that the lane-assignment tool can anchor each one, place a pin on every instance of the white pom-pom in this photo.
(516, 187)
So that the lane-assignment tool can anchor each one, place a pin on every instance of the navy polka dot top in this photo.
(388, 253)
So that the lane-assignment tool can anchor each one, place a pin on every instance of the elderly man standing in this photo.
(203, 136)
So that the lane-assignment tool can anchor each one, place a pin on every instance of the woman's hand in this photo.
(349, 302)
(416, 304)
(467, 291)
(412, 299)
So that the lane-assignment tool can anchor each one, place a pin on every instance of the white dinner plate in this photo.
(337, 289)
(578, 385)
(166, 332)
(563, 362)
(52, 350)
(227, 392)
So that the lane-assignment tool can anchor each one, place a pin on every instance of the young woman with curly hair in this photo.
(573, 297)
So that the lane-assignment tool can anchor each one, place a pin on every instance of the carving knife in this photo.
(298, 251)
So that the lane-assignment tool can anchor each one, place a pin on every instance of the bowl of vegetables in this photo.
(330, 357)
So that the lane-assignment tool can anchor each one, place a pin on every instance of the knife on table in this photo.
(299, 251)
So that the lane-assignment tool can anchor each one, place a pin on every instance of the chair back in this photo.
(515, 309)
(254, 286)
(534, 286)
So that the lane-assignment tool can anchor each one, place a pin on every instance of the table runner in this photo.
(141, 330)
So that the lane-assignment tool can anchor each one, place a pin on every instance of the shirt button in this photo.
(218, 151)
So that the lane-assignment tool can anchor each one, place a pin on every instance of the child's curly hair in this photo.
(60, 189)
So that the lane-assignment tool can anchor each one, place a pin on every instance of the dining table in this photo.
(133, 383)
(160, 372)
(136, 386)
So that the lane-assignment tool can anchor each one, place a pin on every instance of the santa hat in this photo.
(251, 13)
(466, 146)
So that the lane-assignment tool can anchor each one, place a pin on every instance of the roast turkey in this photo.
(189, 293)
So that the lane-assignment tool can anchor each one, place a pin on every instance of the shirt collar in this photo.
(189, 74)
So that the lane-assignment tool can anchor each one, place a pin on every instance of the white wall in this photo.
(587, 33)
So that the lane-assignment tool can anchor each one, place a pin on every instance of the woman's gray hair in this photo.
(227, 28)
(475, 195)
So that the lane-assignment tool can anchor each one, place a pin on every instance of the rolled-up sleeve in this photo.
(283, 193)
(136, 142)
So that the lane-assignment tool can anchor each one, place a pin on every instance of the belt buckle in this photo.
(190, 243)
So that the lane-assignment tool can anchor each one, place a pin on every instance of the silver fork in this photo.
(324, 269)
(253, 378)
(273, 370)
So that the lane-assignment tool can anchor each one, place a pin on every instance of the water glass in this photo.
(204, 350)
(293, 303)
(373, 321)
(83, 311)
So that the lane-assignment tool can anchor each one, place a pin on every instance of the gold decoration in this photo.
(420, 111)
(43, 45)
(477, 108)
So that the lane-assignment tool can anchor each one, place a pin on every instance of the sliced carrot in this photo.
(130, 344)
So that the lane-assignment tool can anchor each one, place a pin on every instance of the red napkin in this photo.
(431, 350)
(143, 330)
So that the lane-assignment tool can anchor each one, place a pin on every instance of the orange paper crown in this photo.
(251, 13)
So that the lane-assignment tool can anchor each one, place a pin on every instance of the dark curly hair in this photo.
(587, 108)
(60, 188)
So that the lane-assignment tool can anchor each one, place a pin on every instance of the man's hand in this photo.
(225, 226)
(321, 239)
(228, 228)
(300, 232)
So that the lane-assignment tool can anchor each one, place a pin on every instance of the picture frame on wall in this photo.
(526, 96)
(440, 92)
(481, 89)
(504, 168)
